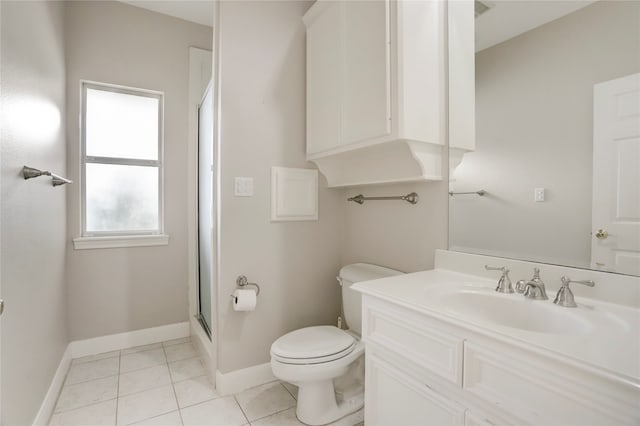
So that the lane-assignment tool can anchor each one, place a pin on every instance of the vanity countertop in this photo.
(602, 337)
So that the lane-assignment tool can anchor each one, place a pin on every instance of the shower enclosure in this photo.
(206, 244)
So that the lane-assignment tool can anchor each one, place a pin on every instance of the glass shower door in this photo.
(206, 269)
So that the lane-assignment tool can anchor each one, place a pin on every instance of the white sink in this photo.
(513, 310)
(599, 333)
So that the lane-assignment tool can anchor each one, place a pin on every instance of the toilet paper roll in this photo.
(244, 300)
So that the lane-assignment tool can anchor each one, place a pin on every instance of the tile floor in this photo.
(165, 384)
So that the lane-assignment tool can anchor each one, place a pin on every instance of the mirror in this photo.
(546, 199)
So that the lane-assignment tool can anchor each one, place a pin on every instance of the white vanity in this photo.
(443, 348)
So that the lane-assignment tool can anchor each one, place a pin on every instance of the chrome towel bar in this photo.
(481, 193)
(411, 198)
(30, 172)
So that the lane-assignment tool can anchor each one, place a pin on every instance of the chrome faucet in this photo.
(504, 283)
(535, 287)
(565, 295)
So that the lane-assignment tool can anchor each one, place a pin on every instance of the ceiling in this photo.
(509, 18)
(198, 11)
(504, 20)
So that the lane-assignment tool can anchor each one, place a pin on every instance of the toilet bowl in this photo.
(317, 358)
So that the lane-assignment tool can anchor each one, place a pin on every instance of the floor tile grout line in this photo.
(120, 354)
(201, 402)
(118, 387)
(273, 414)
(173, 387)
(290, 393)
(165, 363)
(65, 386)
(88, 404)
(78, 361)
(89, 380)
(84, 406)
(194, 377)
(241, 409)
(154, 417)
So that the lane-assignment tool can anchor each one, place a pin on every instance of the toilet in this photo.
(325, 362)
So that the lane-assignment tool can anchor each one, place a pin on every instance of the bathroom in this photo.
(72, 299)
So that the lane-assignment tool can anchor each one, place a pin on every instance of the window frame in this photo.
(86, 159)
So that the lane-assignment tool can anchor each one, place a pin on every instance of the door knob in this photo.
(601, 234)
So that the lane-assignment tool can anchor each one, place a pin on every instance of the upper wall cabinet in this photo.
(376, 90)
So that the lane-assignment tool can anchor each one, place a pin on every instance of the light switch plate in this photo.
(538, 195)
(243, 187)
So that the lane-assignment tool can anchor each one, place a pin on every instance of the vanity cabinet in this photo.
(400, 399)
(376, 90)
(423, 369)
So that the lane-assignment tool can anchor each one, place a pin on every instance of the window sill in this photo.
(86, 243)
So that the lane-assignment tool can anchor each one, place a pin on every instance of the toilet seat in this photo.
(313, 345)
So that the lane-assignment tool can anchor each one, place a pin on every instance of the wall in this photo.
(118, 290)
(262, 95)
(397, 234)
(534, 129)
(33, 217)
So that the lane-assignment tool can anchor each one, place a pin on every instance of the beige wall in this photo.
(262, 61)
(534, 129)
(118, 290)
(397, 234)
(34, 324)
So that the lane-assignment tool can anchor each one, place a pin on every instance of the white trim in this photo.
(85, 159)
(84, 243)
(114, 342)
(49, 402)
(239, 380)
(205, 347)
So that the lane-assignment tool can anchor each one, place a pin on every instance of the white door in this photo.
(616, 176)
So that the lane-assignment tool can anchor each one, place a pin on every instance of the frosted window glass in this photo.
(121, 125)
(121, 198)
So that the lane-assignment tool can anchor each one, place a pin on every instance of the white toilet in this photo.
(313, 357)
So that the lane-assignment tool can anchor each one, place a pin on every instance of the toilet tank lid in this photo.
(357, 272)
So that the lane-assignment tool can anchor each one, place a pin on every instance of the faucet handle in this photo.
(564, 297)
(495, 268)
(566, 281)
(504, 283)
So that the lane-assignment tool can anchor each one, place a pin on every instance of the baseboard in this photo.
(205, 348)
(49, 402)
(239, 380)
(114, 342)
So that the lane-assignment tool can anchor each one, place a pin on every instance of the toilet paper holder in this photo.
(242, 282)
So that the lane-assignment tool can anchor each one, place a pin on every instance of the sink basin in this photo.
(514, 311)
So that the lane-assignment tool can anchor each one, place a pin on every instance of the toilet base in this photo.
(317, 404)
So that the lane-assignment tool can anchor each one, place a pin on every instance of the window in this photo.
(121, 161)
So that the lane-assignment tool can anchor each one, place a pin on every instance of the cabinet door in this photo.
(323, 78)
(366, 81)
(392, 397)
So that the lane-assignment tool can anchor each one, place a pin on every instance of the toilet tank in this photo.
(351, 299)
